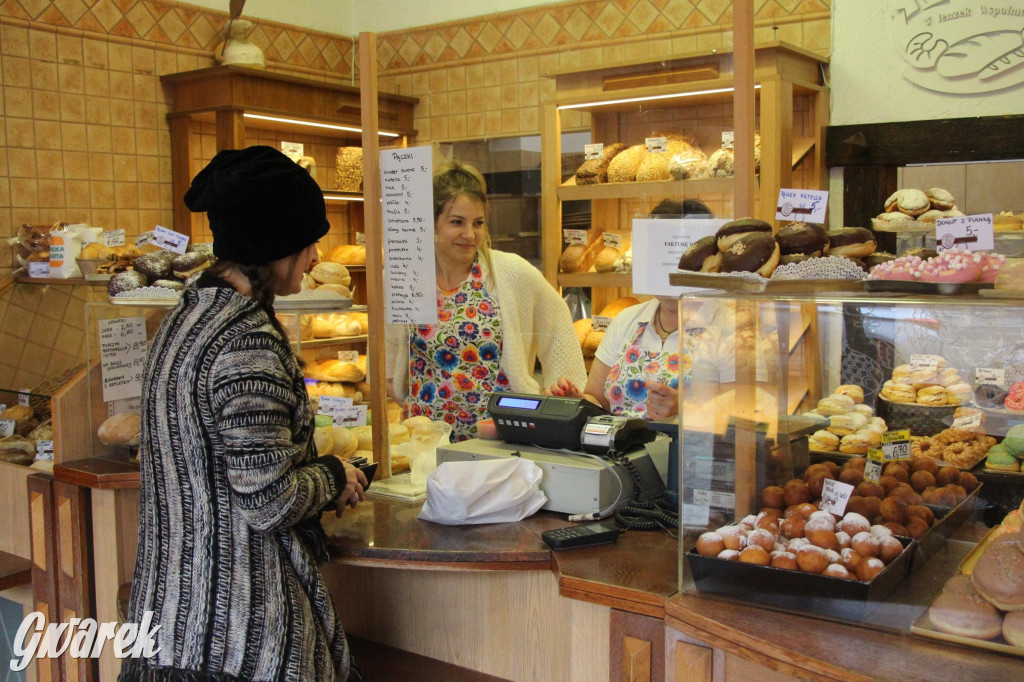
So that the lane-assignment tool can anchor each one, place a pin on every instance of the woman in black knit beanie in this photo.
(232, 487)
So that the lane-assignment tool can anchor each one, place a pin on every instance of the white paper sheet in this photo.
(657, 245)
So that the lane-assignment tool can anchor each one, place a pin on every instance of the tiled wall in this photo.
(83, 136)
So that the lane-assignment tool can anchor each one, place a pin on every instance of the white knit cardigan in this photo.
(535, 323)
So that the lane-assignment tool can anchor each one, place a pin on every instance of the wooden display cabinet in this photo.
(691, 94)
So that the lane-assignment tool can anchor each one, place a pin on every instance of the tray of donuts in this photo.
(802, 558)
(852, 427)
(983, 605)
(921, 396)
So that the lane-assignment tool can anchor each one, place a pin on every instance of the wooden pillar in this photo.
(181, 171)
(551, 176)
(373, 225)
(73, 519)
(230, 130)
(44, 564)
(743, 107)
(776, 143)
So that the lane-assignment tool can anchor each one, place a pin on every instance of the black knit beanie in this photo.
(262, 205)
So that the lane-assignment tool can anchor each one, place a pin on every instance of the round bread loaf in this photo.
(606, 258)
(617, 306)
(331, 273)
(855, 242)
(727, 234)
(999, 575)
(702, 256)
(806, 238)
(756, 252)
(120, 429)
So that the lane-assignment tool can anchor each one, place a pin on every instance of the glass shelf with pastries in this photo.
(808, 508)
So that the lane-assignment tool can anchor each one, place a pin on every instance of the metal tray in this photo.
(167, 302)
(727, 282)
(782, 588)
(325, 305)
(906, 287)
(947, 521)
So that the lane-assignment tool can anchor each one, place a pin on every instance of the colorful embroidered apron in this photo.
(453, 366)
(625, 386)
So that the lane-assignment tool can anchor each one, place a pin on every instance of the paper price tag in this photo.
(714, 498)
(971, 421)
(360, 239)
(124, 405)
(293, 150)
(990, 375)
(873, 467)
(6, 428)
(44, 449)
(123, 348)
(3, 406)
(924, 362)
(600, 324)
(656, 144)
(971, 232)
(334, 407)
(354, 415)
(169, 239)
(113, 238)
(834, 496)
(38, 268)
(696, 515)
(143, 239)
(728, 139)
(593, 151)
(575, 236)
(348, 356)
(612, 239)
(896, 445)
(23, 396)
(802, 205)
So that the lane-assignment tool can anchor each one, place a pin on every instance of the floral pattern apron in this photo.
(453, 366)
(626, 383)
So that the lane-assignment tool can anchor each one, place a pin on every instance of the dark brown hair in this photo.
(262, 281)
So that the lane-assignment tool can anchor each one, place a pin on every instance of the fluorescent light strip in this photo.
(313, 124)
(649, 99)
(328, 197)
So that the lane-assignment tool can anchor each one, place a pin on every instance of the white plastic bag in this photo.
(487, 491)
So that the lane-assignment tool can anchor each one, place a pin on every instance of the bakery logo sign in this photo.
(960, 47)
(81, 638)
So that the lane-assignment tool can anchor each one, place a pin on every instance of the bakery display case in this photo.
(870, 505)
(684, 104)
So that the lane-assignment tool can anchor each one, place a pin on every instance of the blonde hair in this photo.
(453, 179)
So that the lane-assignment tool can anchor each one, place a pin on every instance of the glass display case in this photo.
(912, 443)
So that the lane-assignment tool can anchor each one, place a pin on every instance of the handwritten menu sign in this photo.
(169, 239)
(407, 195)
(122, 356)
(970, 232)
(802, 205)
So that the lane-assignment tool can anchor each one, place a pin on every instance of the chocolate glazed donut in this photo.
(702, 256)
(807, 238)
(757, 252)
(855, 242)
(730, 232)
(989, 395)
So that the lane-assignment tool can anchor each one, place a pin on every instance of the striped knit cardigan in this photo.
(229, 533)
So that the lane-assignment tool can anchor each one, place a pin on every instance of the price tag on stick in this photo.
(593, 151)
(873, 467)
(990, 375)
(970, 232)
(896, 445)
(834, 496)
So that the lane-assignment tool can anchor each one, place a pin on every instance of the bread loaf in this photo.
(582, 328)
(336, 370)
(331, 273)
(362, 319)
(579, 257)
(347, 254)
(120, 429)
(348, 171)
(617, 306)
(626, 163)
(595, 171)
(606, 257)
(329, 325)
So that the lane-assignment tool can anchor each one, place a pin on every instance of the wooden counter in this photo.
(495, 599)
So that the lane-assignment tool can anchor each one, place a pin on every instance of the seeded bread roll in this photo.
(731, 231)
(594, 171)
(626, 163)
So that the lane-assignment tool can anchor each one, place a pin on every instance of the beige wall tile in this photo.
(74, 137)
(17, 72)
(101, 166)
(18, 101)
(76, 165)
(21, 163)
(20, 132)
(50, 164)
(71, 78)
(15, 41)
(72, 107)
(120, 85)
(77, 195)
(44, 75)
(94, 53)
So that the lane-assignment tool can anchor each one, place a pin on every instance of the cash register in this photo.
(591, 459)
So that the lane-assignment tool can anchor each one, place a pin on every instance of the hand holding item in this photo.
(352, 494)
(662, 400)
(564, 388)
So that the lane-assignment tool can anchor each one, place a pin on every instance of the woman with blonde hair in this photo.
(496, 315)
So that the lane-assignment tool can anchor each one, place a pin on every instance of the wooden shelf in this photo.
(333, 341)
(595, 279)
(340, 195)
(631, 190)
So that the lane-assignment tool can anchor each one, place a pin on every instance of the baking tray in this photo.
(782, 588)
(727, 282)
(327, 305)
(967, 563)
(947, 521)
(922, 625)
(907, 287)
(1001, 293)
